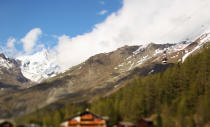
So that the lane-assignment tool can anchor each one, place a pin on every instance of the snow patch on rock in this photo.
(142, 60)
(202, 40)
(5, 63)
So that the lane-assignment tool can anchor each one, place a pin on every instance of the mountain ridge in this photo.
(10, 74)
(100, 75)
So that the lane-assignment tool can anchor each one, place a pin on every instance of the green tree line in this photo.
(179, 97)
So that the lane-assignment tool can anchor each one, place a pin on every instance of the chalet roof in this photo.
(147, 119)
(126, 123)
(86, 112)
(6, 124)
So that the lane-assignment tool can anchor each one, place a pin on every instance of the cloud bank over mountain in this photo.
(30, 39)
(137, 22)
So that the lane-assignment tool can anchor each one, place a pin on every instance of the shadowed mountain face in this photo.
(10, 74)
(100, 75)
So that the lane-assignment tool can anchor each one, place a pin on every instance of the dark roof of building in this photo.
(126, 123)
(6, 124)
(85, 112)
(148, 121)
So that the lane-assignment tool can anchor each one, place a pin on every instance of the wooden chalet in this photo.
(6, 124)
(86, 119)
(145, 123)
(126, 124)
(140, 123)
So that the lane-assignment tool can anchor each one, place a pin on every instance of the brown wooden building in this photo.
(126, 124)
(6, 124)
(140, 123)
(145, 123)
(86, 119)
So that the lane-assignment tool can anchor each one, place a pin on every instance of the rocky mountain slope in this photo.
(100, 75)
(26, 71)
(10, 74)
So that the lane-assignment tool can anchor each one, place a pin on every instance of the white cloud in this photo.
(9, 49)
(11, 42)
(102, 12)
(30, 39)
(138, 22)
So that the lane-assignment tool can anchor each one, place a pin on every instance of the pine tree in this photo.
(159, 121)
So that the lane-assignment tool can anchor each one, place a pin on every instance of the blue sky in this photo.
(78, 29)
(53, 17)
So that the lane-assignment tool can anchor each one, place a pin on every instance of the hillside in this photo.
(100, 75)
(11, 77)
(178, 97)
(94, 77)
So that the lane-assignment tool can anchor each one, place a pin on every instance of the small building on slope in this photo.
(86, 119)
(140, 123)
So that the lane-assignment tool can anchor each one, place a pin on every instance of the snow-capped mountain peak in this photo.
(39, 66)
